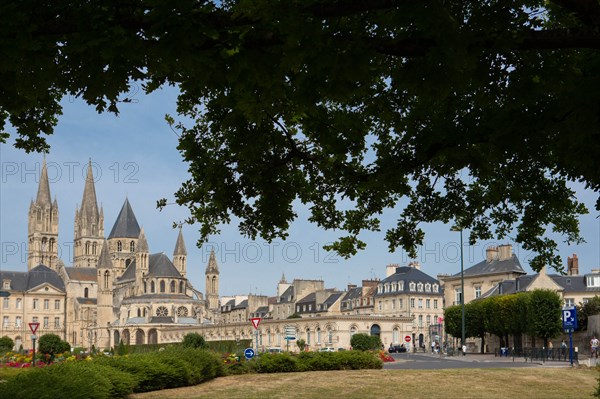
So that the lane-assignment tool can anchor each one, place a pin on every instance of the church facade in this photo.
(116, 288)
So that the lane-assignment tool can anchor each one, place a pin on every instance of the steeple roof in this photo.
(142, 245)
(104, 261)
(212, 267)
(126, 225)
(43, 194)
(89, 204)
(180, 245)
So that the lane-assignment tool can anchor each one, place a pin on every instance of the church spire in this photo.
(180, 245)
(43, 194)
(212, 267)
(89, 204)
(104, 262)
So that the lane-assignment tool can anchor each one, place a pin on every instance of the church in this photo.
(116, 290)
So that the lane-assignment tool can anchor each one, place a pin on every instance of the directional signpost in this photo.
(569, 319)
(33, 327)
(255, 322)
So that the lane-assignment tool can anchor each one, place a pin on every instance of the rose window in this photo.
(162, 311)
(182, 311)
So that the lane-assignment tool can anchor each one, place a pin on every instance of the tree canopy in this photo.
(475, 113)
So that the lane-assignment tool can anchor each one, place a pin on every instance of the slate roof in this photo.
(162, 319)
(104, 262)
(408, 274)
(81, 273)
(126, 225)
(332, 298)
(353, 293)
(569, 284)
(25, 281)
(159, 265)
(87, 301)
(287, 295)
(312, 297)
(484, 267)
(241, 305)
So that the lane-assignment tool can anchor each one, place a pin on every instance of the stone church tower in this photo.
(42, 246)
(123, 239)
(212, 283)
(104, 314)
(89, 226)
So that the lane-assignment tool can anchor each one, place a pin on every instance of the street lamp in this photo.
(462, 290)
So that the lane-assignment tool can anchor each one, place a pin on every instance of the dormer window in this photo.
(412, 286)
(6, 284)
(420, 287)
(593, 281)
(427, 287)
(436, 288)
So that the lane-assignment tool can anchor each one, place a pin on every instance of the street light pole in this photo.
(462, 293)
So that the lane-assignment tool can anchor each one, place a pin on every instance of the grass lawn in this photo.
(528, 383)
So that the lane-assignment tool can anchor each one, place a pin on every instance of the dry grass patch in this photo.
(529, 383)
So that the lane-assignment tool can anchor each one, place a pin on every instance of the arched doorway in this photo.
(126, 337)
(421, 344)
(376, 330)
(140, 337)
(153, 336)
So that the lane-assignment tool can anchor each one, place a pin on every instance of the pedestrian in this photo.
(432, 346)
(594, 344)
(563, 344)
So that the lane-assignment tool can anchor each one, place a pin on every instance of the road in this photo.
(425, 361)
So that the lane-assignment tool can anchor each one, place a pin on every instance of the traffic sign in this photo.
(255, 322)
(407, 338)
(249, 353)
(569, 318)
(33, 327)
(290, 332)
(440, 320)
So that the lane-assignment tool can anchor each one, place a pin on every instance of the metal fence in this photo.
(538, 354)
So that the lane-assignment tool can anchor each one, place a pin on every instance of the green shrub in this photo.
(52, 344)
(358, 360)
(194, 340)
(365, 342)
(65, 380)
(276, 363)
(318, 361)
(150, 374)
(6, 344)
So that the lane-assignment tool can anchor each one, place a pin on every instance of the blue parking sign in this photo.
(569, 318)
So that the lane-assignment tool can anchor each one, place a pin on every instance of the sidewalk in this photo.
(490, 357)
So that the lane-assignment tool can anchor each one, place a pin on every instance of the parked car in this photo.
(326, 350)
(397, 349)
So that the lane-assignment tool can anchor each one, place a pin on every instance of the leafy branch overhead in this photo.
(475, 112)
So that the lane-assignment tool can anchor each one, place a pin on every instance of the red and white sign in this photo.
(33, 327)
(407, 338)
(255, 322)
(440, 320)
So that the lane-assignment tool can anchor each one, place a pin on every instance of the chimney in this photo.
(391, 269)
(491, 254)
(415, 265)
(505, 252)
(573, 266)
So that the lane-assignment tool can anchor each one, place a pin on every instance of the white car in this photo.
(326, 350)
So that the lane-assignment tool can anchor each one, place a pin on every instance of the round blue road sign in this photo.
(249, 353)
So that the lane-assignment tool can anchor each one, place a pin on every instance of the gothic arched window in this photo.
(85, 292)
(173, 286)
(162, 286)
(119, 246)
(132, 246)
(152, 287)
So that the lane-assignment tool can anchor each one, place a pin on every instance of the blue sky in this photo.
(134, 155)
